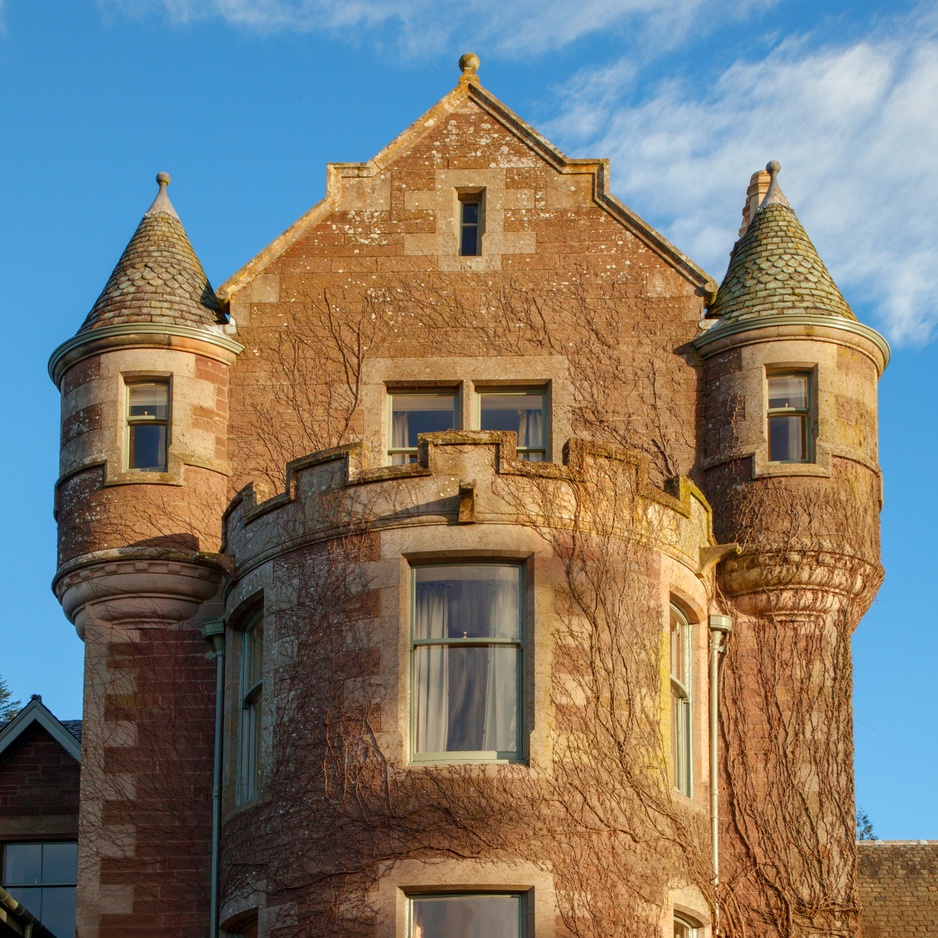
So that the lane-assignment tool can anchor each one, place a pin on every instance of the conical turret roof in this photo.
(158, 278)
(775, 270)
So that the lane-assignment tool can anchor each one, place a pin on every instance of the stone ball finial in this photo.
(162, 179)
(773, 166)
(469, 62)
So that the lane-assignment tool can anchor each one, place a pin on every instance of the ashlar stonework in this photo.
(483, 493)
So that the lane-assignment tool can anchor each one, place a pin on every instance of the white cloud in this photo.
(419, 26)
(853, 122)
(856, 129)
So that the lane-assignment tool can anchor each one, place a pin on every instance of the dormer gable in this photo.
(469, 145)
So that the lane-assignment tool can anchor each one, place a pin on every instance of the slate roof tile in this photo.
(158, 277)
(772, 263)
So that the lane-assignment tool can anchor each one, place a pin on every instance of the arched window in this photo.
(684, 928)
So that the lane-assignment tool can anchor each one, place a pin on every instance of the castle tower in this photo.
(143, 482)
(790, 466)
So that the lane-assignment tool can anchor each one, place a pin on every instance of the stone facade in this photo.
(642, 508)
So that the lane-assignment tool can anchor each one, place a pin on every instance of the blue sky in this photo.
(245, 101)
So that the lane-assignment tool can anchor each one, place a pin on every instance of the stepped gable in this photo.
(775, 270)
(158, 278)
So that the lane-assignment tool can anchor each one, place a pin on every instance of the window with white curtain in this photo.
(467, 643)
(467, 915)
(789, 416)
(415, 412)
(522, 411)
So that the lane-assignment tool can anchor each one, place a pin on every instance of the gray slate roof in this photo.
(775, 269)
(158, 278)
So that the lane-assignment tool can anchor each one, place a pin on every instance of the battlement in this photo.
(463, 477)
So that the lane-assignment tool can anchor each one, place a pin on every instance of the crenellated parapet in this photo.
(470, 478)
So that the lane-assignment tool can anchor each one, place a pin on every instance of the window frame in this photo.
(520, 643)
(132, 421)
(681, 690)
(451, 391)
(806, 414)
(523, 452)
(42, 885)
(250, 765)
(689, 928)
(520, 895)
(465, 197)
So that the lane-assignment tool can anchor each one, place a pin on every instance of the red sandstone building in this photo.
(469, 565)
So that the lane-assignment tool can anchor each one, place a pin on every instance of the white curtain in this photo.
(467, 694)
(500, 732)
(467, 917)
(534, 427)
(399, 433)
(432, 669)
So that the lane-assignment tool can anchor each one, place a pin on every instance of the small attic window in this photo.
(471, 222)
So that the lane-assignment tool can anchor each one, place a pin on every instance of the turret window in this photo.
(147, 425)
(789, 417)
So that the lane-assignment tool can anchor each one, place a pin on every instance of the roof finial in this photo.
(775, 194)
(469, 65)
(161, 204)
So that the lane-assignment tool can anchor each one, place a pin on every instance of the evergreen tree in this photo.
(8, 708)
(864, 826)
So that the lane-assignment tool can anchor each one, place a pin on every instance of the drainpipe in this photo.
(720, 628)
(16, 915)
(215, 632)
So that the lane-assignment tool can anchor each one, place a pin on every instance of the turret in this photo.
(790, 467)
(143, 483)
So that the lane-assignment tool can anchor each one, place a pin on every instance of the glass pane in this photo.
(148, 446)
(787, 438)
(22, 864)
(149, 400)
(60, 863)
(466, 698)
(469, 243)
(31, 898)
(58, 911)
(412, 414)
(683, 930)
(477, 601)
(522, 413)
(253, 652)
(466, 916)
(788, 391)
(678, 660)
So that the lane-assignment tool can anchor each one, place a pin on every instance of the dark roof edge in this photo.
(37, 712)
